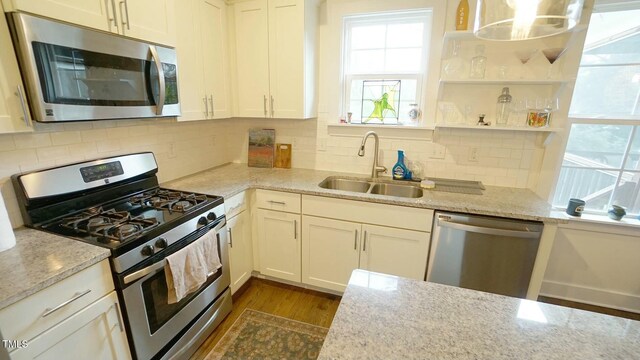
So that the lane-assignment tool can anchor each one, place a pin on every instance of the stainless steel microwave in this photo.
(73, 73)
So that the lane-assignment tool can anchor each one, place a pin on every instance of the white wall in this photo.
(595, 264)
(180, 148)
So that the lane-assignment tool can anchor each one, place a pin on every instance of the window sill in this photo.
(380, 126)
(627, 221)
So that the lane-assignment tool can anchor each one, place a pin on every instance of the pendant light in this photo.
(509, 20)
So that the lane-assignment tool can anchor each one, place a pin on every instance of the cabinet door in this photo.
(150, 20)
(213, 30)
(330, 252)
(252, 52)
(286, 58)
(95, 332)
(395, 251)
(279, 243)
(13, 101)
(96, 14)
(188, 49)
(240, 250)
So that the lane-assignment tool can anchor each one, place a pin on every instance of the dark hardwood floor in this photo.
(598, 309)
(278, 299)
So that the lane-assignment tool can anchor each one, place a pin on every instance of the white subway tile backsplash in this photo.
(65, 137)
(52, 153)
(32, 141)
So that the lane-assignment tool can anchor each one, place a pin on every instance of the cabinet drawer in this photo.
(368, 213)
(236, 204)
(28, 317)
(280, 201)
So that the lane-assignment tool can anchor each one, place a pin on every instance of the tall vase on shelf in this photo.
(462, 15)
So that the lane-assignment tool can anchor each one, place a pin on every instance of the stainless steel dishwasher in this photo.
(483, 253)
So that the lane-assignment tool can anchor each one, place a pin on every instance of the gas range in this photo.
(123, 224)
(117, 203)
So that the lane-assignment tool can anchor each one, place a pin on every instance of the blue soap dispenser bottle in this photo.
(400, 170)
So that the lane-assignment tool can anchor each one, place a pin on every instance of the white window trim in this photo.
(338, 9)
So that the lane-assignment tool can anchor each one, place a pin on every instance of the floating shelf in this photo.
(468, 35)
(498, 128)
(383, 126)
(503, 81)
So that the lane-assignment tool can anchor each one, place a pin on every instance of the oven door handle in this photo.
(160, 264)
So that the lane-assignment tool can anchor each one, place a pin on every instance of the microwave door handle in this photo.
(156, 60)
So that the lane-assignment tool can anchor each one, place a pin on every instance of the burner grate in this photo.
(168, 200)
(109, 225)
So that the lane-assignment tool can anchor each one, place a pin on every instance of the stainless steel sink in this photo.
(345, 185)
(397, 190)
(370, 187)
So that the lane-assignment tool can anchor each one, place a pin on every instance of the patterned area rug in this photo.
(257, 335)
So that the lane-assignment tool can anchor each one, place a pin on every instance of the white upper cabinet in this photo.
(14, 112)
(276, 58)
(202, 48)
(149, 20)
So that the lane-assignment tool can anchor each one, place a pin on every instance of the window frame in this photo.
(603, 120)
(347, 77)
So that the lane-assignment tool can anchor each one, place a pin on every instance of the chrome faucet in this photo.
(376, 168)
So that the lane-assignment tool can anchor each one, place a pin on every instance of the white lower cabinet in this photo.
(332, 249)
(279, 244)
(95, 332)
(240, 249)
(395, 251)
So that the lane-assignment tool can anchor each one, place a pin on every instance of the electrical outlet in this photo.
(437, 152)
(322, 144)
(473, 154)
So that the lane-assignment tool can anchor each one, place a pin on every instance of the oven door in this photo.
(153, 322)
(79, 74)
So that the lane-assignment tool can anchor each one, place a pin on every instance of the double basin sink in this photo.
(371, 187)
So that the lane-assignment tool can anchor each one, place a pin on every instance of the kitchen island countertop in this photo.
(387, 317)
(230, 179)
(41, 259)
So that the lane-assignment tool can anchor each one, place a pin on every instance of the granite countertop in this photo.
(230, 179)
(387, 317)
(41, 259)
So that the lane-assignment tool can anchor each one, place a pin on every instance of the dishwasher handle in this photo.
(488, 231)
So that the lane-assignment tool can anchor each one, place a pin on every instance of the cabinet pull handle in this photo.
(355, 241)
(119, 316)
(206, 107)
(364, 245)
(277, 202)
(272, 110)
(211, 101)
(115, 15)
(23, 105)
(265, 105)
(76, 296)
(230, 237)
(295, 229)
(126, 14)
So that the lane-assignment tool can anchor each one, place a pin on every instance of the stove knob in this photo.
(161, 243)
(147, 250)
(211, 216)
(203, 221)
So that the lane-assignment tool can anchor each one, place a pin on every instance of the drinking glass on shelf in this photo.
(551, 104)
(524, 56)
(518, 116)
(552, 54)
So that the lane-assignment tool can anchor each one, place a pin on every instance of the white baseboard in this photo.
(593, 296)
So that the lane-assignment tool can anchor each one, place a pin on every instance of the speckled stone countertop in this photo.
(387, 317)
(230, 179)
(41, 259)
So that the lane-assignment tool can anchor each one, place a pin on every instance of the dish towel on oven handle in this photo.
(187, 269)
